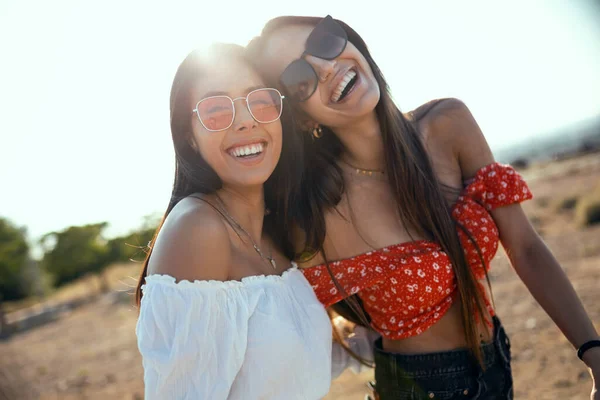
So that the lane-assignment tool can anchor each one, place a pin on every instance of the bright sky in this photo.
(84, 86)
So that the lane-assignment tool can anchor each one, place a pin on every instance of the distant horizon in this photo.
(550, 134)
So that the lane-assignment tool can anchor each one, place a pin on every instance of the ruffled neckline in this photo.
(169, 280)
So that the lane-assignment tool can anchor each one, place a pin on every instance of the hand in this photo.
(592, 360)
(374, 395)
(595, 381)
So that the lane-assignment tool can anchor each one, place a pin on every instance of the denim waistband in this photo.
(444, 362)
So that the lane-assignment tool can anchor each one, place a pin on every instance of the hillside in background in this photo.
(564, 142)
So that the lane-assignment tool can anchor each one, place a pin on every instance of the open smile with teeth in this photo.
(345, 86)
(247, 151)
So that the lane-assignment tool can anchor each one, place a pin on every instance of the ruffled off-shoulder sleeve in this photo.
(498, 185)
(192, 337)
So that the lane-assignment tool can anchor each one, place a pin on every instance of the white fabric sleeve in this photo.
(192, 337)
(360, 342)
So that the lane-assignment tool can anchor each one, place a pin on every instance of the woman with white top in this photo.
(224, 313)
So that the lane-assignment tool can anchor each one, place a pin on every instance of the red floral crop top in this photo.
(408, 287)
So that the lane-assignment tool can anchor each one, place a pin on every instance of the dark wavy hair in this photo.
(418, 193)
(194, 175)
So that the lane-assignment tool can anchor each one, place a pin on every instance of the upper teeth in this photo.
(343, 83)
(246, 150)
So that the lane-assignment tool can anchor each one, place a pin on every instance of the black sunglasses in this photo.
(326, 41)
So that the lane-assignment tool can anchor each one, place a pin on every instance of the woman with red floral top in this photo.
(401, 216)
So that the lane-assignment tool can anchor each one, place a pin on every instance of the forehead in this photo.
(231, 76)
(283, 46)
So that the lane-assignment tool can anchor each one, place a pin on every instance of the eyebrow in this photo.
(222, 93)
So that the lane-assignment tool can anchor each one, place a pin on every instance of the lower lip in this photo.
(358, 81)
(250, 160)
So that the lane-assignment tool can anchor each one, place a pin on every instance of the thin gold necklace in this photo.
(364, 172)
(237, 225)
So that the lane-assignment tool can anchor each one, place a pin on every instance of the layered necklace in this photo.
(268, 259)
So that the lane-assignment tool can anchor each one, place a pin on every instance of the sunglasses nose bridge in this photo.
(324, 68)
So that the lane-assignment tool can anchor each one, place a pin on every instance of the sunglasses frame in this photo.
(195, 110)
(327, 19)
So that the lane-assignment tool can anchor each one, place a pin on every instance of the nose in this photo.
(324, 68)
(243, 119)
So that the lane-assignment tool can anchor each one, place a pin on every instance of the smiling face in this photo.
(347, 89)
(246, 153)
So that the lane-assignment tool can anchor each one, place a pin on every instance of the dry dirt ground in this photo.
(91, 353)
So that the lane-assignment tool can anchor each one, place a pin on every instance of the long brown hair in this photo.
(419, 195)
(194, 175)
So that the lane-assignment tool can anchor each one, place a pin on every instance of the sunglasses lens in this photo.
(216, 113)
(265, 105)
(327, 40)
(299, 80)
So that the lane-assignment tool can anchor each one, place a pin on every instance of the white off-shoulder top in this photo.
(266, 337)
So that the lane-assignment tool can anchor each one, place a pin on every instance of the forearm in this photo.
(549, 285)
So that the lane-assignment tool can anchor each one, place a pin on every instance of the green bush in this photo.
(588, 209)
(543, 201)
(13, 258)
(74, 252)
(79, 250)
(566, 203)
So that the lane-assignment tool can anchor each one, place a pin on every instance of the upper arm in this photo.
(193, 244)
(451, 121)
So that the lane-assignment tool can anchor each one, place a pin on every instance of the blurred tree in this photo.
(14, 252)
(133, 247)
(4, 332)
(520, 163)
(79, 250)
(76, 251)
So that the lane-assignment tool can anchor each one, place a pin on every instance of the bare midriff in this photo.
(447, 334)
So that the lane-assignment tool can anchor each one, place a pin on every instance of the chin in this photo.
(367, 103)
(248, 179)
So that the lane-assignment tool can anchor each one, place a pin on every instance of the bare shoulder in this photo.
(444, 119)
(448, 126)
(193, 244)
(438, 107)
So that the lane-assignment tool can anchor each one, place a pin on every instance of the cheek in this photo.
(276, 134)
(209, 147)
(352, 53)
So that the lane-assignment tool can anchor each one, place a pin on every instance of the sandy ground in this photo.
(91, 353)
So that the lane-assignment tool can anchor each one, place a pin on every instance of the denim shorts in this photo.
(446, 375)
